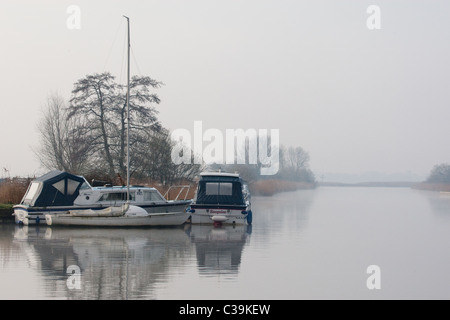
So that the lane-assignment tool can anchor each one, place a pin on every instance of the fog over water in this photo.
(357, 99)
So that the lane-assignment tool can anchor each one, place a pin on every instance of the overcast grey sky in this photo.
(356, 99)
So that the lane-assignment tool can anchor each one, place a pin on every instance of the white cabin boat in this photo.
(221, 198)
(62, 198)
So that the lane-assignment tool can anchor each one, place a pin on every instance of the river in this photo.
(327, 243)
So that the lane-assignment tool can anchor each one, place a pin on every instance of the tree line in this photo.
(87, 136)
(440, 174)
(293, 166)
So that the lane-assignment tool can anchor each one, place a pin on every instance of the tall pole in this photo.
(128, 114)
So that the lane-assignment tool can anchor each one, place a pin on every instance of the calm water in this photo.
(313, 244)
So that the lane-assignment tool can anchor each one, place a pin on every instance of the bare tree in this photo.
(89, 136)
(156, 162)
(296, 158)
(101, 102)
(295, 165)
(64, 145)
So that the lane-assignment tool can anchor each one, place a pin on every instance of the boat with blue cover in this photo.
(221, 198)
(59, 197)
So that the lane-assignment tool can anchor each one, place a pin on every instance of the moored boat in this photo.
(221, 198)
(59, 197)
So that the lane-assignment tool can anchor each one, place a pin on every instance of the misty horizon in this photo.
(358, 99)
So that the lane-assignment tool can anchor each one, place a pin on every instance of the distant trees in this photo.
(88, 136)
(440, 174)
(293, 166)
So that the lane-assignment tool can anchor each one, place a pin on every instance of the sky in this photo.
(356, 97)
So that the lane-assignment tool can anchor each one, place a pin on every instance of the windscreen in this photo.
(216, 192)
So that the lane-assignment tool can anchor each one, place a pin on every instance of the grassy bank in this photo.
(6, 206)
(6, 211)
(271, 187)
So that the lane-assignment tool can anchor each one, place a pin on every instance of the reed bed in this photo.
(12, 190)
(443, 187)
(271, 187)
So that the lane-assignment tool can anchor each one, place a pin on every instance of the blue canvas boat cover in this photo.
(225, 190)
(56, 188)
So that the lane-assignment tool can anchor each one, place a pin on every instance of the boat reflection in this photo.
(114, 263)
(219, 249)
(120, 263)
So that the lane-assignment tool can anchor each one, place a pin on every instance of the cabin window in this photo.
(59, 186)
(85, 186)
(152, 196)
(226, 189)
(72, 186)
(219, 188)
(116, 196)
(212, 188)
(32, 191)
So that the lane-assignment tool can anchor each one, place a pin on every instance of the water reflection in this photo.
(320, 242)
(114, 263)
(219, 249)
(439, 202)
(124, 263)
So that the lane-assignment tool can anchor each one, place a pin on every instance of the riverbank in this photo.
(389, 184)
(439, 187)
(442, 187)
(268, 188)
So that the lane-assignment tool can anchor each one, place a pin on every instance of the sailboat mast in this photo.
(128, 113)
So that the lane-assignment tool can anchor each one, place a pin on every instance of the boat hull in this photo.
(164, 219)
(30, 216)
(165, 207)
(34, 216)
(223, 215)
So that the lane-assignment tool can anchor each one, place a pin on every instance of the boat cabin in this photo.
(108, 196)
(221, 188)
(60, 189)
(56, 188)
